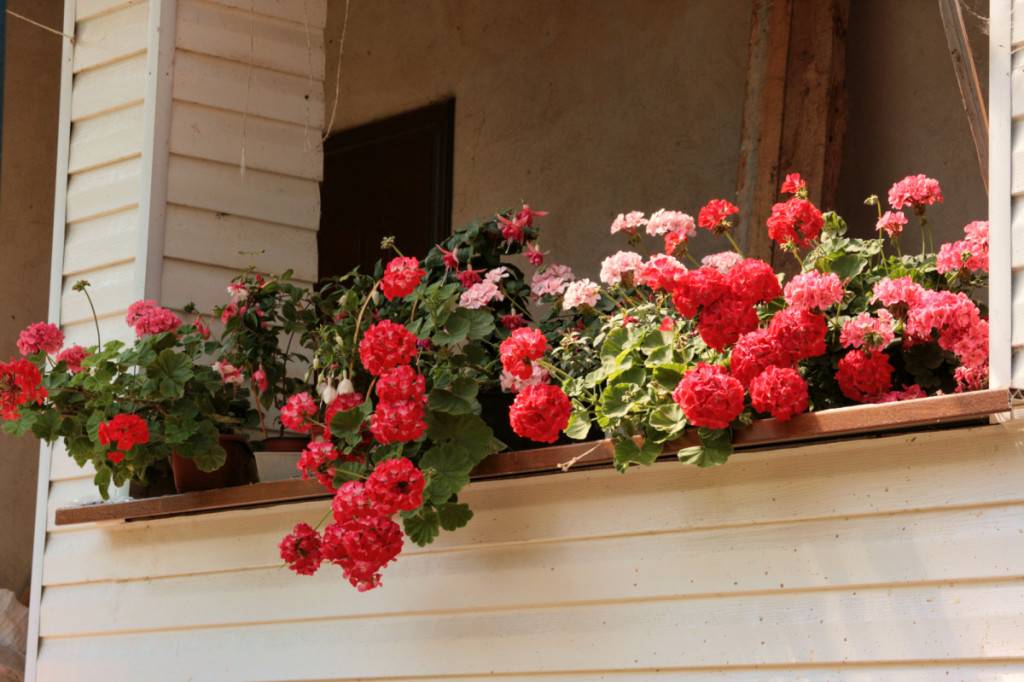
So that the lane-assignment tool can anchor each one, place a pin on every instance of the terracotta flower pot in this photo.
(239, 468)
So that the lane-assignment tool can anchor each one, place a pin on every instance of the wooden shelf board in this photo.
(812, 426)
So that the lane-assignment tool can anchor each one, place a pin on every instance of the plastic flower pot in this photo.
(277, 457)
(239, 468)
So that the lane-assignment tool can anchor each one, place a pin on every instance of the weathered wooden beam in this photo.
(967, 79)
(794, 116)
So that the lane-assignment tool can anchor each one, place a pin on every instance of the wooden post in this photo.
(967, 79)
(794, 116)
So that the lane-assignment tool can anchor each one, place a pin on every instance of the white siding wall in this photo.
(893, 559)
(1006, 158)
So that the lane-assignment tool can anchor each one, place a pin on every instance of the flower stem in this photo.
(732, 241)
(95, 318)
(359, 322)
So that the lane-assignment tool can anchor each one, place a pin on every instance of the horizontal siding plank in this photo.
(893, 474)
(219, 135)
(112, 291)
(108, 88)
(260, 195)
(83, 333)
(236, 243)
(203, 285)
(105, 139)
(241, 36)
(828, 554)
(862, 626)
(301, 11)
(64, 468)
(100, 242)
(224, 84)
(104, 190)
(111, 37)
(87, 9)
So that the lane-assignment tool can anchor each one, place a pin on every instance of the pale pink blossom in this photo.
(628, 222)
(977, 231)
(662, 222)
(551, 281)
(513, 384)
(723, 261)
(614, 268)
(237, 292)
(480, 294)
(229, 374)
(867, 332)
(496, 275)
(891, 223)
(581, 292)
(814, 290)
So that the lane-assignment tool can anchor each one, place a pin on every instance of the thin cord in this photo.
(248, 83)
(337, 80)
(42, 26)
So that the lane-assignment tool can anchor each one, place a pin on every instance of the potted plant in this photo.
(263, 328)
(129, 409)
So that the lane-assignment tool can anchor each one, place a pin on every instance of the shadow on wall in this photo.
(906, 115)
(31, 91)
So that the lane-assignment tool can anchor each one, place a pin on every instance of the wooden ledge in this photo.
(861, 419)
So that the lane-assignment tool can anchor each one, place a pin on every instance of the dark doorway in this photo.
(389, 177)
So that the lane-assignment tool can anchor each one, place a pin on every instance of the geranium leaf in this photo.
(579, 425)
(454, 515)
(449, 465)
(423, 526)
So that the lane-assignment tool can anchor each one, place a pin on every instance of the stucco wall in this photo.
(31, 90)
(590, 108)
(584, 109)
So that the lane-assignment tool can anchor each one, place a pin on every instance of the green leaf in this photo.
(848, 266)
(46, 425)
(668, 376)
(481, 323)
(668, 418)
(456, 328)
(449, 465)
(614, 343)
(102, 481)
(579, 425)
(423, 526)
(171, 371)
(466, 430)
(181, 423)
(454, 515)
(458, 398)
(715, 448)
(627, 452)
(349, 421)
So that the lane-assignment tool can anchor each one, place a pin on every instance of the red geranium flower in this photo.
(300, 549)
(520, 348)
(540, 412)
(864, 376)
(401, 383)
(386, 344)
(709, 396)
(396, 485)
(124, 432)
(362, 547)
(754, 281)
(401, 277)
(715, 214)
(793, 184)
(780, 392)
(796, 221)
(298, 412)
(724, 321)
(20, 383)
(799, 332)
(755, 351)
(398, 421)
(72, 357)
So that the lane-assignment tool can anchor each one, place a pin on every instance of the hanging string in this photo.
(42, 26)
(309, 70)
(337, 79)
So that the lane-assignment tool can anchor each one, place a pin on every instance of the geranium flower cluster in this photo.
(401, 277)
(40, 337)
(968, 255)
(148, 318)
(123, 432)
(21, 383)
(540, 410)
(363, 538)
